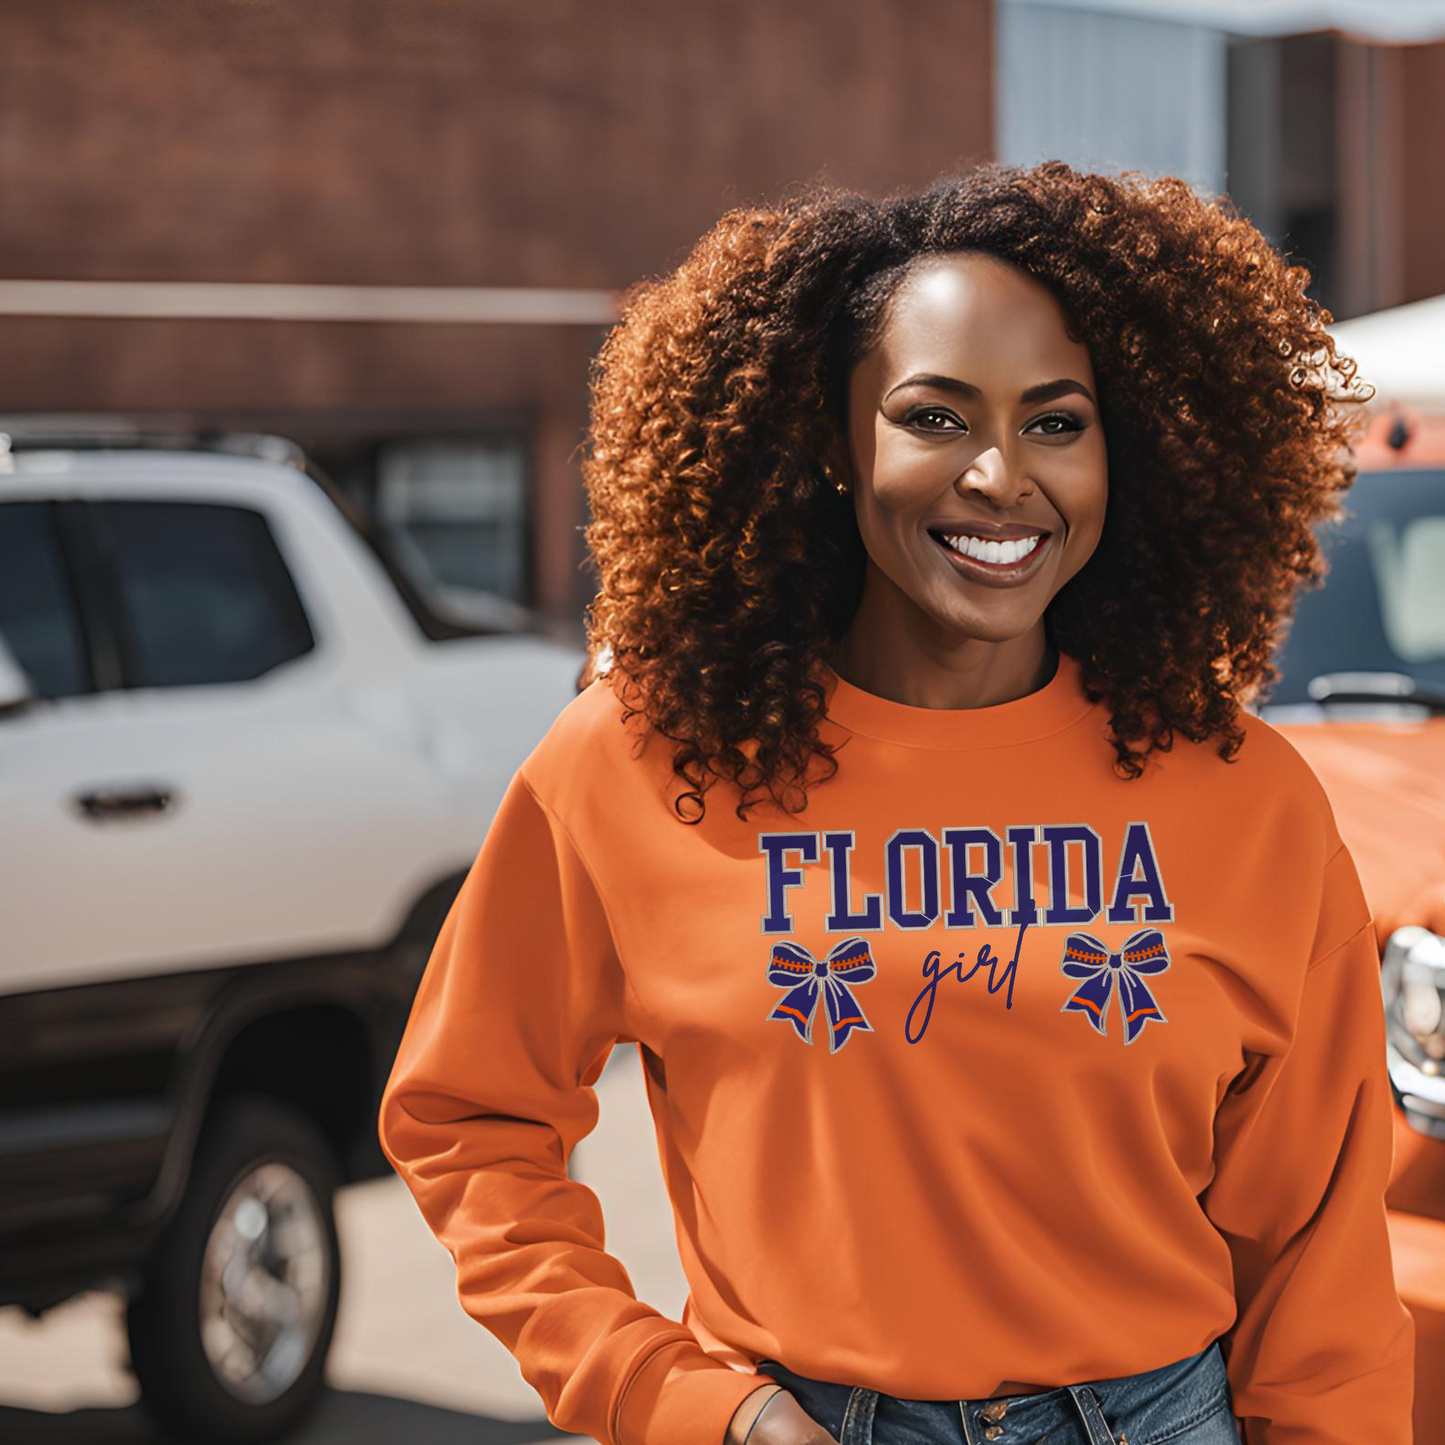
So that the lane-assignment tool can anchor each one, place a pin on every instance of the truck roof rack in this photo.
(106, 433)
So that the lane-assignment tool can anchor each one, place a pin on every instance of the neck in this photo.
(930, 667)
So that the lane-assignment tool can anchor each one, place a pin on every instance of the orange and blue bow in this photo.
(1085, 957)
(849, 962)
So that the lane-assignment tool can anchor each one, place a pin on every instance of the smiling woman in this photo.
(1040, 1069)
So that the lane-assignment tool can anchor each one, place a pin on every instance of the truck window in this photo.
(38, 614)
(1382, 606)
(202, 592)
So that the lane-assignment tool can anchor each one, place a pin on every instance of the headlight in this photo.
(1412, 976)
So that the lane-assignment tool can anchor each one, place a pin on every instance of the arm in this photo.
(517, 1012)
(1322, 1348)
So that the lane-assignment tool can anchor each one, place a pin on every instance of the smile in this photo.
(993, 561)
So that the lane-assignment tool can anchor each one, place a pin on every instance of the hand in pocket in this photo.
(781, 1421)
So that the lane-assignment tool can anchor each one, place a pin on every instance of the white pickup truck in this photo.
(243, 770)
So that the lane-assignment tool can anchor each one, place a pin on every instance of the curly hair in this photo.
(727, 566)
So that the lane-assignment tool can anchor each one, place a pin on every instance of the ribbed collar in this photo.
(1059, 703)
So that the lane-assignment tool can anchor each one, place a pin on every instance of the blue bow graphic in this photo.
(1086, 958)
(849, 962)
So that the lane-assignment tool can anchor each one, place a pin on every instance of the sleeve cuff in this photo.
(680, 1395)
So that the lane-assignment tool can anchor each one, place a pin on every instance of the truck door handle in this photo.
(102, 804)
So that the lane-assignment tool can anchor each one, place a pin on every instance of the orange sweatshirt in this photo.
(989, 1069)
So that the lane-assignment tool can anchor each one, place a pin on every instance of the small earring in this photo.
(840, 487)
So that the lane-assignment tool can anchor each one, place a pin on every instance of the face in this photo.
(973, 425)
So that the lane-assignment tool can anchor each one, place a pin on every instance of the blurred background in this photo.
(297, 305)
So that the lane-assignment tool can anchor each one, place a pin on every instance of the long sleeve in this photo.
(517, 1012)
(1322, 1348)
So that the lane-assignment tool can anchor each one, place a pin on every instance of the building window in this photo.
(463, 505)
(1283, 164)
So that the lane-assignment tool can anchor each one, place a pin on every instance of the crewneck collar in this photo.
(1058, 704)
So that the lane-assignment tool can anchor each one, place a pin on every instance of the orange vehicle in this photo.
(1362, 696)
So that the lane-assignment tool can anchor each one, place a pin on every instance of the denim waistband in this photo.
(1139, 1409)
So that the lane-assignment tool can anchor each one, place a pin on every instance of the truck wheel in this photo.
(230, 1331)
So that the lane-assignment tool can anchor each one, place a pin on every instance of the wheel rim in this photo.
(265, 1281)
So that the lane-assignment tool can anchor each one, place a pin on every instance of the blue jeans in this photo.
(1185, 1403)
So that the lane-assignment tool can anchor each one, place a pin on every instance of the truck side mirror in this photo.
(16, 690)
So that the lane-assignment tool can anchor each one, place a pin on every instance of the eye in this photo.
(1070, 421)
(939, 411)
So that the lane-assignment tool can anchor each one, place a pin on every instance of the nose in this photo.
(995, 476)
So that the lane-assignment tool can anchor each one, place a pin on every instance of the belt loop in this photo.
(1096, 1427)
(858, 1417)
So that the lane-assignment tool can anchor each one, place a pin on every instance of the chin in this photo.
(987, 626)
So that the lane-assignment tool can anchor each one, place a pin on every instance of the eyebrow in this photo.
(1044, 391)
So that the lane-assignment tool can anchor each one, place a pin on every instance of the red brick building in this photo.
(553, 144)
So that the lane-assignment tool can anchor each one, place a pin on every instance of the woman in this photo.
(1096, 1149)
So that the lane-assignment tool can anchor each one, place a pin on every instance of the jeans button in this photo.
(993, 1432)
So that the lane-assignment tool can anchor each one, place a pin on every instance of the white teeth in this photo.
(1006, 553)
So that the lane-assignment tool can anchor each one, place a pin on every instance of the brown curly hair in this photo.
(727, 565)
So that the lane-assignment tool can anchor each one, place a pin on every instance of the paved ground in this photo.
(408, 1363)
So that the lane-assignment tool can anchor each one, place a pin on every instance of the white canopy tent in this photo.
(1382, 21)
(1402, 351)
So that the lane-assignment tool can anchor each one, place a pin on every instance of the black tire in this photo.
(178, 1383)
